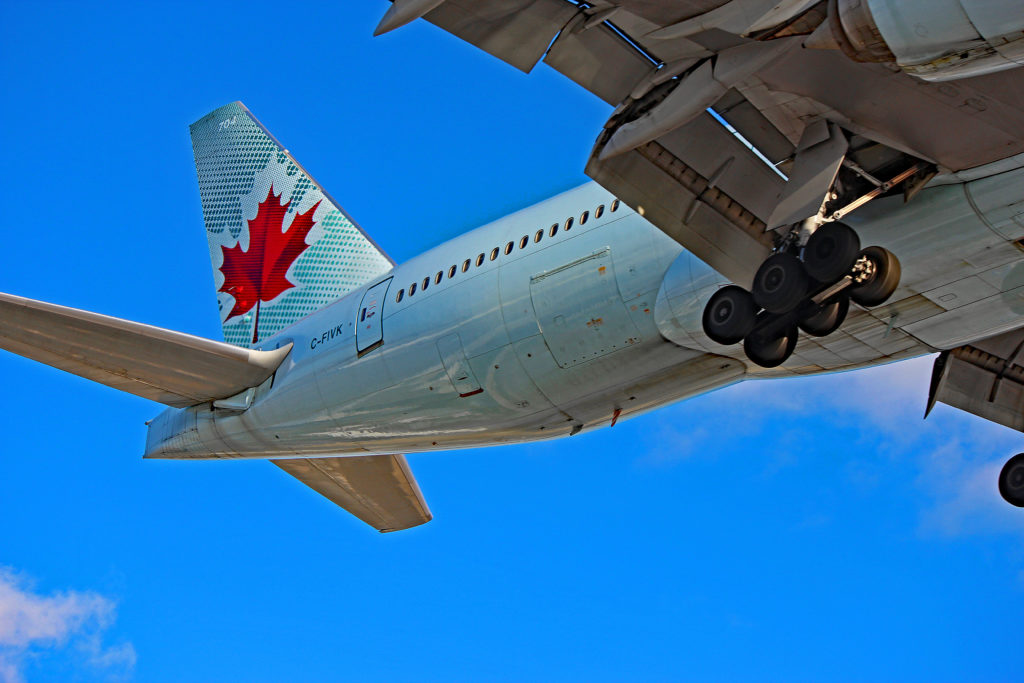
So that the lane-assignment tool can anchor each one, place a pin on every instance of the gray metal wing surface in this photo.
(689, 178)
(169, 367)
(378, 489)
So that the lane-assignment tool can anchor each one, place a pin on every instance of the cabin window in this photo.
(568, 223)
(539, 235)
(480, 260)
(523, 241)
(401, 295)
(552, 230)
(583, 217)
(426, 283)
(465, 265)
(509, 247)
(615, 205)
(599, 211)
(451, 272)
(412, 289)
(494, 253)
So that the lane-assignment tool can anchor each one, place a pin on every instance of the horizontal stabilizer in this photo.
(173, 368)
(378, 489)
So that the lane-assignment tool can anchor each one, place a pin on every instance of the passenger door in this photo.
(369, 331)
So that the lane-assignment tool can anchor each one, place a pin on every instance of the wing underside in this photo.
(661, 63)
(169, 367)
(378, 489)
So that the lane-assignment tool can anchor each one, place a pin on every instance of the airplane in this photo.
(783, 188)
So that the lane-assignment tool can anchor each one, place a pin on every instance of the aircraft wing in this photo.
(662, 62)
(984, 378)
(176, 369)
(378, 489)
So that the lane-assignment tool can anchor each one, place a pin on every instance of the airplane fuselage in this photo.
(566, 317)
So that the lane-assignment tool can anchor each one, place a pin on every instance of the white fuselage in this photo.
(583, 327)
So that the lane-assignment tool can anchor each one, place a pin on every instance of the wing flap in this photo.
(984, 378)
(703, 188)
(378, 489)
(169, 367)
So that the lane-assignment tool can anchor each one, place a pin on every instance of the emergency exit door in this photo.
(369, 332)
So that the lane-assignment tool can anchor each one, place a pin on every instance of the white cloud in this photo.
(964, 486)
(31, 623)
(958, 456)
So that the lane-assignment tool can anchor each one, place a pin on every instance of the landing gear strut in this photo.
(1011, 481)
(810, 291)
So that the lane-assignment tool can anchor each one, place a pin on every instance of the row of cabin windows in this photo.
(524, 241)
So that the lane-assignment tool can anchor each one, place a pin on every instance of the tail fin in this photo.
(281, 247)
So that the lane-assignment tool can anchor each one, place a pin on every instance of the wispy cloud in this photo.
(31, 623)
(963, 484)
(957, 456)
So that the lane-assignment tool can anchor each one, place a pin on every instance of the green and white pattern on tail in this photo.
(238, 162)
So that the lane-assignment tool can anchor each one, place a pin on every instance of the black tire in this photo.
(729, 315)
(770, 349)
(883, 283)
(780, 284)
(831, 252)
(1011, 481)
(827, 319)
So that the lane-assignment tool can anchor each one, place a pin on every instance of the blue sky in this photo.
(811, 529)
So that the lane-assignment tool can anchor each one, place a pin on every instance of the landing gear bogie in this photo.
(812, 294)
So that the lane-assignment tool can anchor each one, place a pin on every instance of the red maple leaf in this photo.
(259, 273)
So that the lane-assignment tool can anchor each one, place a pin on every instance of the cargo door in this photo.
(580, 312)
(369, 331)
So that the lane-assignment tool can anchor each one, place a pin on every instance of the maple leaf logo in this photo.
(259, 274)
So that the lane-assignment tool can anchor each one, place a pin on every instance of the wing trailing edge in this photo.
(378, 489)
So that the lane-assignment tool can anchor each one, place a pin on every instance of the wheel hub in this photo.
(773, 279)
(1016, 478)
(825, 249)
(723, 312)
(863, 270)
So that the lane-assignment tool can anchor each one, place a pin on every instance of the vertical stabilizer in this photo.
(281, 247)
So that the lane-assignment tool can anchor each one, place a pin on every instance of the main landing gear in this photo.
(810, 292)
(1011, 481)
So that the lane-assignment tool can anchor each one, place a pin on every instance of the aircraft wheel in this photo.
(780, 283)
(827, 319)
(831, 252)
(768, 348)
(729, 315)
(883, 280)
(1011, 481)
